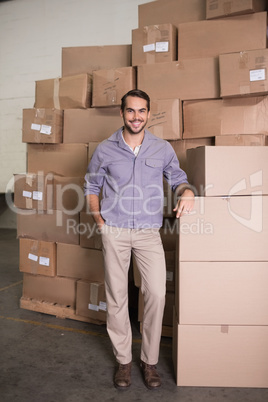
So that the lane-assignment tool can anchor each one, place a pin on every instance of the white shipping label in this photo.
(102, 306)
(32, 257)
(36, 127)
(37, 195)
(149, 48)
(93, 307)
(44, 261)
(169, 276)
(27, 194)
(45, 129)
(161, 47)
(257, 75)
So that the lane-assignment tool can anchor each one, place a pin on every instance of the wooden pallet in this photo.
(59, 311)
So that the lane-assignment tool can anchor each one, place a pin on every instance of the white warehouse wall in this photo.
(32, 34)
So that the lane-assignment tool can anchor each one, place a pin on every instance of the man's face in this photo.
(135, 115)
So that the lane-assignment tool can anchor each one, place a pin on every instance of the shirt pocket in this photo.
(153, 171)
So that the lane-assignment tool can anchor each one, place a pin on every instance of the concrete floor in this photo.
(46, 359)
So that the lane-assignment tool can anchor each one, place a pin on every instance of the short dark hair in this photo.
(138, 93)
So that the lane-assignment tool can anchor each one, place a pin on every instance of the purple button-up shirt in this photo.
(132, 186)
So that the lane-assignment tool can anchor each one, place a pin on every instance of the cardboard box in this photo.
(168, 310)
(181, 146)
(220, 9)
(89, 233)
(166, 119)
(220, 355)
(154, 44)
(226, 35)
(54, 227)
(170, 267)
(42, 125)
(69, 160)
(53, 290)
(171, 11)
(91, 300)
(64, 93)
(244, 73)
(86, 59)
(225, 229)
(109, 86)
(50, 192)
(225, 292)
(76, 262)
(37, 257)
(241, 140)
(245, 173)
(208, 118)
(187, 79)
(93, 124)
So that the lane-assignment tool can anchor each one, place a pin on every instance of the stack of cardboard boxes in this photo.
(219, 76)
(203, 63)
(62, 275)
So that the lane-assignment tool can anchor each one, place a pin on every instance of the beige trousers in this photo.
(146, 245)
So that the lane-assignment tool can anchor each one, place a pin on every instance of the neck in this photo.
(133, 140)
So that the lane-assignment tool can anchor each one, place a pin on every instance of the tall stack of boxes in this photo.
(62, 275)
(204, 65)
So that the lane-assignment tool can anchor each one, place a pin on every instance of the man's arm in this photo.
(185, 202)
(93, 203)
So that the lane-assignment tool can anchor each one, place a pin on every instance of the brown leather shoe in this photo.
(122, 379)
(150, 376)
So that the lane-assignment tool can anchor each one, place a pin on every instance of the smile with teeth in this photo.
(136, 123)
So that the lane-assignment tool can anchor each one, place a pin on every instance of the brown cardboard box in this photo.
(181, 146)
(89, 234)
(218, 8)
(208, 118)
(244, 73)
(64, 93)
(225, 229)
(187, 79)
(166, 119)
(37, 257)
(168, 311)
(225, 292)
(91, 300)
(76, 262)
(170, 267)
(53, 290)
(171, 11)
(86, 59)
(54, 227)
(93, 124)
(226, 35)
(220, 355)
(110, 85)
(243, 139)
(69, 160)
(154, 44)
(42, 125)
(227, 171)
(49, 192)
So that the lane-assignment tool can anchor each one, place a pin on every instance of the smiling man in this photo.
(129, 167)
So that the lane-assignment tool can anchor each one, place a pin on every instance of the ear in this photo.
(121, 113)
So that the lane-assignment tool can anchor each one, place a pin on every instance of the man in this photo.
(128, 167)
